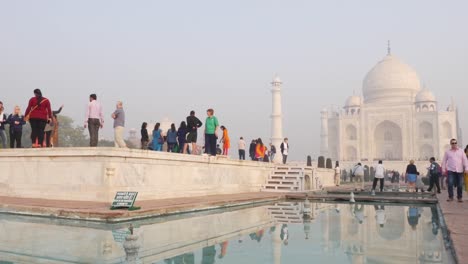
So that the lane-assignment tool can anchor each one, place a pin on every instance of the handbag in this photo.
(28, 116)
(161, 140)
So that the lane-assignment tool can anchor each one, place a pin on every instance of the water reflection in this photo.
(286, 232)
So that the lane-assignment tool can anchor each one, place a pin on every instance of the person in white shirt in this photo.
(285, 150)
(337, 175)
(358, 173)
(379, 176)
(241, 146)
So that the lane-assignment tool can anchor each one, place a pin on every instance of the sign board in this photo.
(124, 199)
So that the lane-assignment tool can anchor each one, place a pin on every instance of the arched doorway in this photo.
(388, 141)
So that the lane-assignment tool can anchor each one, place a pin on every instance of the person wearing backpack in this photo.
(434, 173)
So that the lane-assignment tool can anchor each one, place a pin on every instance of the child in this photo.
(16, 121)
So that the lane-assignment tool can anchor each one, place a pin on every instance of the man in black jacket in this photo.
(193, 123)
(285, 150)
(252, 147)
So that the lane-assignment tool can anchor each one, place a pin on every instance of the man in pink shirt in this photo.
(454, 164)
(94, 120)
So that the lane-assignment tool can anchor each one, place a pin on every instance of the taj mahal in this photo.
(395, 119)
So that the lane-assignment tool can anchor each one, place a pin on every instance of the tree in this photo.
(70, 135)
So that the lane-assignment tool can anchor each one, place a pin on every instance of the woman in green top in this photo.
(211, 134)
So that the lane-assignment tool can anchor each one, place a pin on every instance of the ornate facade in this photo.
(395, 119)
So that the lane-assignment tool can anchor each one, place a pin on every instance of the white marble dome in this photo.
(353, 101)
(391, 80)
(425, 96)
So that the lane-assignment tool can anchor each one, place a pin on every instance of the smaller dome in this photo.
(353, 101)
(425, 96)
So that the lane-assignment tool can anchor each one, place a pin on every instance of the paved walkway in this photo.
(456, 219)
(101, 211)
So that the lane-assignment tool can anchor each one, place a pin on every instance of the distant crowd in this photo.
(44, 131)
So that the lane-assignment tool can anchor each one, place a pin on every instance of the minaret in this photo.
(324, 133)
(276, 118)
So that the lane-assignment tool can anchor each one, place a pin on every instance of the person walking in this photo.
(241, 146)
(285, 150)
(16, 122)
(182, 135)
(94, 120)
(226, 140)
(252, 147)
(434, 171)
(171, 138)
(193, 123)
(211, 134)
(51, 127)
(158, 139)
(3, 122)
(337, 174)
(379, 176)
(119, 125)
(144, 136)
(454, 164)
(358, 173)
(38, 113)
(411, 176)
(260, 150)
(272, 152)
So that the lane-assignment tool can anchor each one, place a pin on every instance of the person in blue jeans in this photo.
(158, 139)
(454, 164)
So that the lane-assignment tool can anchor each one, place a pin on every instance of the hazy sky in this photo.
(165, 58)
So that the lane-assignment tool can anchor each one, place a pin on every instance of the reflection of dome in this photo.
(389, 81)
(353, 101)
(425, 96)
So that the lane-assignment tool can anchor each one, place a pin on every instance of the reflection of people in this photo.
(435, 220)
(223, 246)
(380, 217)
(413, 216)
(208, 255)
(188, 258)
(359, 212)
(284, 234)
(257, 235)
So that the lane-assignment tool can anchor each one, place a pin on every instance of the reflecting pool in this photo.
(285, 232)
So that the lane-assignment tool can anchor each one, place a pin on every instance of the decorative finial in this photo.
(389, 50)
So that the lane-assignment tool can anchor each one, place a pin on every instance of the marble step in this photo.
(285, 182)
(280, 187)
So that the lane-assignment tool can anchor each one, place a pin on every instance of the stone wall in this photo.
(96, 174)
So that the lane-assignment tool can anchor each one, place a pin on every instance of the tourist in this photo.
(3, 122)
(337, 175)
(94, 120)
(158, 139)
(411, 176)
(38, 113)
(454, 164)
(379, 176)
(193, 123)
(51, 129)
(272, 152)
(241, 146)
(211, 134)
(419, 183)
(181, 136)
(285, 150)
(119, 125)
(144, 136)
(226, 140)
(380, 217)
(252, 148)
(434, 171)
(171, 138)
(16, 121)
(358, 173)
(260, 150)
